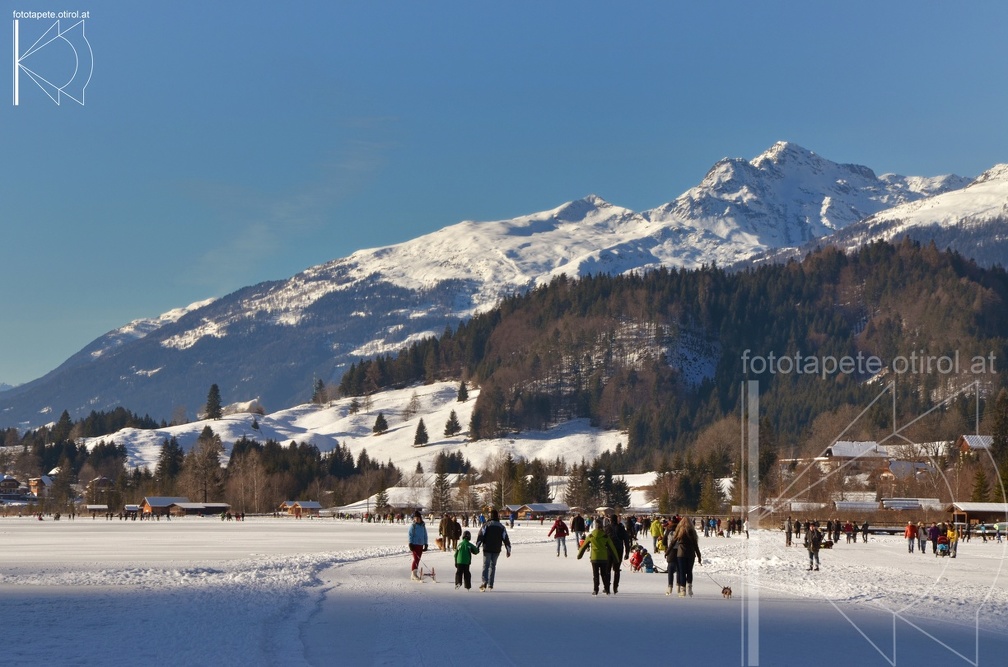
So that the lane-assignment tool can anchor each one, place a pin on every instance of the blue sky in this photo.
(225, 143)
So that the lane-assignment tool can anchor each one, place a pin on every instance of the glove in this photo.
(509, 553)
(425, 547)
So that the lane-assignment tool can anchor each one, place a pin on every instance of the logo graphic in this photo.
(60, 62)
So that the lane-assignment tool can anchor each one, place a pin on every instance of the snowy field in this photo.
(332, 592)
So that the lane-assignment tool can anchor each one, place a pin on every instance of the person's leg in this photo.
(596, 570)
(615, 578)
(605, 575)
(681, 575)
(493, 569)
(466, 576)
(458, 575)
(486, 569)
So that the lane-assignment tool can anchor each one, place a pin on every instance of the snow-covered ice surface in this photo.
(333, 592)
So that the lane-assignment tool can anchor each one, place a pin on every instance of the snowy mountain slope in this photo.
(972, 220)
(332, 424)
(272, 340)
(981, 202)
(789, 195)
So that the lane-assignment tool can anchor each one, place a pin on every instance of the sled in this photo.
(424, 572)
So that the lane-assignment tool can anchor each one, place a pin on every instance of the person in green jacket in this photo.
(602, 552)
(463, 557)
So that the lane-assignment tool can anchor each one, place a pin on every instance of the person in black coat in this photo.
(618, 534)
(492, 538)
(578, 528)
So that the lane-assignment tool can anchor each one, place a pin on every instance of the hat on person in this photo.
(467, 535)
(417, 515)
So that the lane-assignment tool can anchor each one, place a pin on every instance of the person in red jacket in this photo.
(561, 531)
(911, 535)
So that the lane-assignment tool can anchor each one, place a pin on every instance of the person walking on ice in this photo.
(560, 528)
(813, 542)
(492, 537)
(684, 548)
(417, 543)
(602, 552)
(463, 557)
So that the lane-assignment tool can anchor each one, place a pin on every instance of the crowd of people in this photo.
(606, 539)
(609, 541)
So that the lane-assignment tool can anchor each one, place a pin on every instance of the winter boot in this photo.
(668, 591)
(414, 576)
(682, 591)
(689, 589)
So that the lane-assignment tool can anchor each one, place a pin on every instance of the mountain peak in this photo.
(579, 209)
(783, 151)
(998, 172)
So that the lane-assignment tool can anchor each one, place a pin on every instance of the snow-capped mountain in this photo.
(271, 341)
(972, 220)
(785, 197)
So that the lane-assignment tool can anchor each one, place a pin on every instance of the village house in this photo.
(9, 484)
(160, 505)
(969, 444)
(40, 486)
(299, 508)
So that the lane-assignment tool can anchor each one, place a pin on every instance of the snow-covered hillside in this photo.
(972, 220)
(983, 201)
(332, 424)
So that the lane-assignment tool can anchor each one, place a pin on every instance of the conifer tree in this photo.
(420, 438)
(981, 487)
(452, 426)
(463, 393)
(202, 464)
(381, 500)
(169, 465)
(319, 395)
(711, 498)
(441, 493)
(380, 425)
(213, 403)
